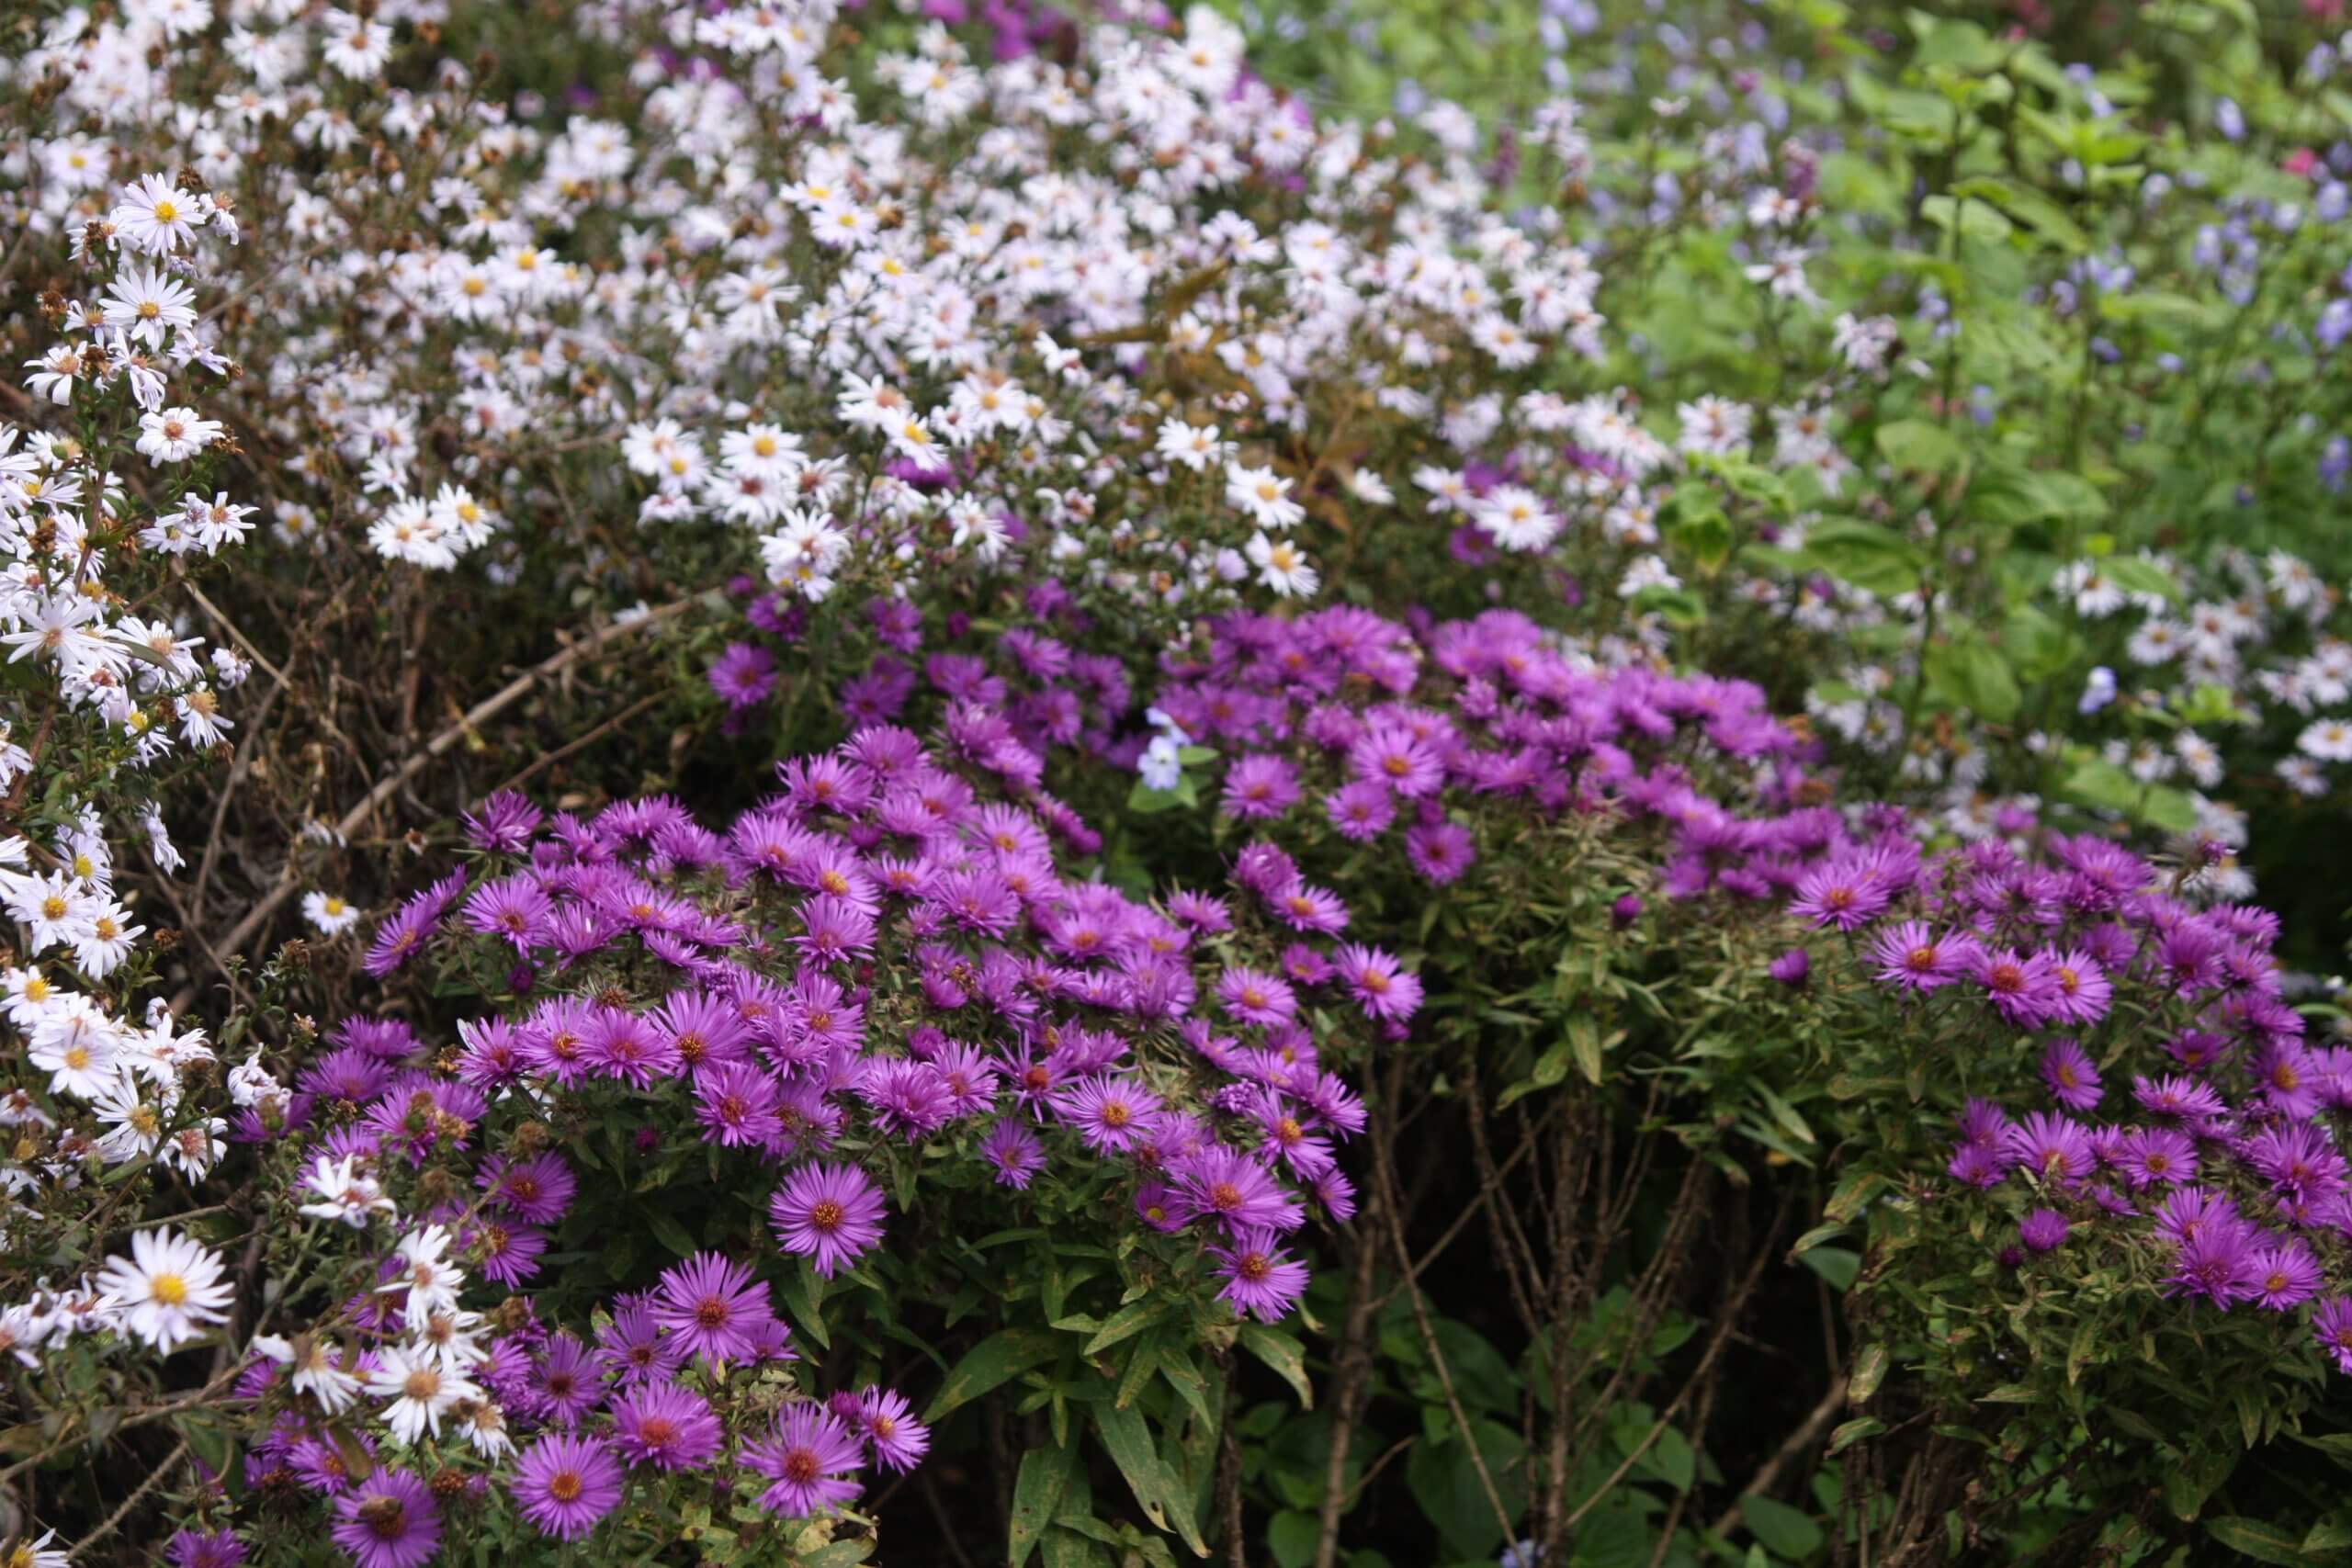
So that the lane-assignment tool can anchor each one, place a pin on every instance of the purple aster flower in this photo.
(737, 1105)
(1253, 997)
(664, 1425)
(1380, 987)
(1260, 788)
(2178, 1097)
(389, 1522)
(632, 1347)
(894, 1439)
(2285, 1275)
(504, 823)
(1362, 810)
(2066, 1068)
(1112, 1113)
(1307, 908)
(1911, 956)
(1845, 892)
(711, 1304)
(2217, 1264)
(2052, 1147)
(909, 1100)
(830, 1213)
(1393, 757)
(807, 1460)
(2149, 1156)
(1234, 1189)
(743, 675)
(2332, 1328)
(2082, 994)
(514, 908)
(1260, 1279)
(220, 1549)
(569, 1386)
(1792, 968)
(566, 1484)
(2043, 1230)
(1439, 850)
(2020, 986)
(1014, 1150)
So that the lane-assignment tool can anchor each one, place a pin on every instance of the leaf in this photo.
(803, 1292)
(1870, 1370)
(1876, 559)
(1285, 1354)
(1834, 1263)
(1785, 1114)
(2191, 1482)
(1120, 1325)
(1975, 676)
(1005, 1354)
(669, 1232)
(1037, 1493)
(1128, 1441)
(2262, 1541)
(1848, 1433)
(1785, 1531)
(1674, 1459)
(1291, 1537)
(1917, 446)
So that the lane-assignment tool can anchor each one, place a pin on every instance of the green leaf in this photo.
(1785, 1531)
(2262, 1541)
(1836, 1263)
(1291, 1537)
(1002, 1355)
(2137, 574)
(1785, 1114)
(1126, 1321)
(803, 1293)
(1037, 1493)
(1674, 1459)
(1973, 676)
(1285, 1354)
(1873, 558)
(1128, 1441)
(1848, 1433)
(1917, 446)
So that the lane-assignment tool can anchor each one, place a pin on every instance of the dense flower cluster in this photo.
(2082, 958)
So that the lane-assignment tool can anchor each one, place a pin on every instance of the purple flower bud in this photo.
(1793, 967)
(1626, 911)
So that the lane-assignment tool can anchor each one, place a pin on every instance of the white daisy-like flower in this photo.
(166, 1291)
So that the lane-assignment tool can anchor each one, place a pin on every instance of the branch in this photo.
(1807, 1434)
(480, 712)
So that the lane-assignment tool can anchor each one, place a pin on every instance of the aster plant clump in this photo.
(772, 1117)
(2092, 1141)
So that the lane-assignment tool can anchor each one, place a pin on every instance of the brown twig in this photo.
(490, 707)
(113, 1520)
(1808, 1433)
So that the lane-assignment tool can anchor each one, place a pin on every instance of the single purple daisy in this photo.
(1260, 1279)
(807, 1460)
(566, 1484)
(830, 1213)
(1014, 1150)
(1237, 1191)
(894, 1438)
(389, 1522)
(2068, 1071)
(664, 1425)
(711, 1306)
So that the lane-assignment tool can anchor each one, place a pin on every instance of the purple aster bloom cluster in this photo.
(2178, 1113)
